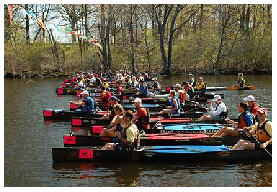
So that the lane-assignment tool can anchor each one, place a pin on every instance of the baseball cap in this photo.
(178, 85)
(249, 98)
(137, 100)
(114, 98)
(216, 97)
(262, 110)
(85, 92)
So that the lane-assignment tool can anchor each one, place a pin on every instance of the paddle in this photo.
(174, 148)
(248, 134)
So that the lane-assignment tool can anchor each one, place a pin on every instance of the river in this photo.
(28, 141)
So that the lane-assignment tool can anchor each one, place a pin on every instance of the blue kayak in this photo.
(193, 127)
(187, 149)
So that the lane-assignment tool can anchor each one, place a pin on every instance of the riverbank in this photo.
(55, 74)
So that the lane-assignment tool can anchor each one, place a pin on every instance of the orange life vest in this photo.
(241, 121)
(262, 134)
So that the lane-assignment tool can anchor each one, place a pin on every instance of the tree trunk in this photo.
(108, 29)
(27, 27)
(170, 41)
(103, 38)
(146, 45)
(132, 40)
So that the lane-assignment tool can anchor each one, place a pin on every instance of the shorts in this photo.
(216, 118)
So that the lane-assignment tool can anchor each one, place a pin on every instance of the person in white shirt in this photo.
(217, 113)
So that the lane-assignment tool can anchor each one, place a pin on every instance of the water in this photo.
(28, 141)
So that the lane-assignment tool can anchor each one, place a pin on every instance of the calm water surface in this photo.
(28, 142)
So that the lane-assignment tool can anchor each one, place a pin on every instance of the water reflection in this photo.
(125, 173)
(27, 135)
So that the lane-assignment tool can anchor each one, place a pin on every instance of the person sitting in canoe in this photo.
(111, 114)
(115, 123)
(189, 89)
(181, 94)
(79, 85)
(241, 80)
(191, 80)
(129, 139)
(201, 85)
(119, 89)
(253, 108)
(245, 119)
(87, 104)
(217, 113)
(143, 89)
(105, 97)
(156, 85)
(260, 135)
(175, 106)
(141, 116)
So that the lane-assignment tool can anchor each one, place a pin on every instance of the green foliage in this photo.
(196, 46)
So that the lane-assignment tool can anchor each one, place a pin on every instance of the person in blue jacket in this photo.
(87, 104)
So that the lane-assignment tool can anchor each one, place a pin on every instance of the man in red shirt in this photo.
(105, 97)
(119, 89)
(142, 116)
(252, 106)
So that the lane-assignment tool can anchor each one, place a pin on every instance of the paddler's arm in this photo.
(265, 144)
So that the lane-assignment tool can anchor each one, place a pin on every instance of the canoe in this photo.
(250, 87)
(172, 128)
(146, 139)
(87, 122)
(186, 128)
(74, 140)
(199, 153)
(151, 107)
(62, 114)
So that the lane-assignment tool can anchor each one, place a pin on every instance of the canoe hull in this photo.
(96, 140)
(95, 154)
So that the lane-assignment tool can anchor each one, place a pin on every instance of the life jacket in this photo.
(241, 121)
(262, 134)
(119, 89)
(171, 101)
(241, 82)
(106, 98)
(182, 96)
(136, 142)
(119, 128)
(155, 85)
(143, 122)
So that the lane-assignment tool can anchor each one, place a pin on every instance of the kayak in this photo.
(250, 87)
(199, 153)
